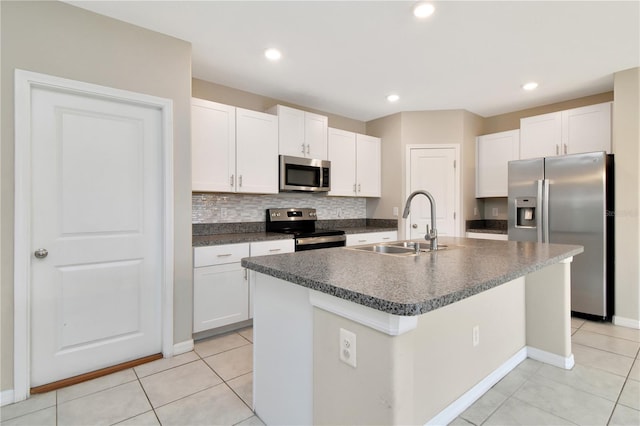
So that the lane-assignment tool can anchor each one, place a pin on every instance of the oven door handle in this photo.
(320, 240)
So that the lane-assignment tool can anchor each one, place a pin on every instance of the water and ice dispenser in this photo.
(526, 212)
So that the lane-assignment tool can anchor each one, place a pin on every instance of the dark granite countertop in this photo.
(488, 231)
(487, 226)
(416, 284)
(245, 237)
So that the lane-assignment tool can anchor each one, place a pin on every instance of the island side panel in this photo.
(411, 378)
(282, 352)
(548, 307)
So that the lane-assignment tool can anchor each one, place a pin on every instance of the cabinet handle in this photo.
(565, 148)
(557, 149)
(354, 188)
(362, 241)
(386, 238)
(224, 255)
(359, 188)
(308, 149)
(302, 149)
(240, 180)
(231, 180)
(274, 250)
(245, 274)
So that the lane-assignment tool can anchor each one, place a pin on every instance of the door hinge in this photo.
(454, 164)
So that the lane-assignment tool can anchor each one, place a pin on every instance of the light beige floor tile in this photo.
(219, 344)
(573, 331)
(106, 407)
(165, 364)
(577, 322)
(635, 371)
(606, 343)
(630, 396)
(46, 417)
(564, 401)
(178, 382)
(214, 406)
(247, 333)
(459, 421)
(145, 419)
(254, 421)
(516, 412)
(483, 407)
(517, 377)
(34, 403)
(233, 363)
(95, 385)
(597, 358)
(243, 386)
(588, 379)
(612, 330)
(625, 416)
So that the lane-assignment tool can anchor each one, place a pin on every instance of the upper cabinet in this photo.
(493, 153)
(573, 131)
(233, 149)
(301, 133)
(355, 164)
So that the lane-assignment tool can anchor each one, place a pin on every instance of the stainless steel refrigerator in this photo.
(568, 199)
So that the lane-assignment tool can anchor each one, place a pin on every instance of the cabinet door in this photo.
(587, 129)
(213, 139)
(540, 136)
(493, 153)
(315, 135)
(256, 152)
(368, 166)
(265, 248)
(291, 133)
(342, 154)
(220, 296)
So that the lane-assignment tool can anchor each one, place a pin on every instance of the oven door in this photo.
(314, 243)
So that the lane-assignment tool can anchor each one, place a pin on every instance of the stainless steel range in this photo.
(302, 224)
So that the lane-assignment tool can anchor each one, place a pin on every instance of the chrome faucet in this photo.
(430, 235)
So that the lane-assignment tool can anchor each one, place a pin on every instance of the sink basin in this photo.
(399, 248)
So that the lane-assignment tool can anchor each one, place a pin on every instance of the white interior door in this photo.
(97, 203)
(432, 169)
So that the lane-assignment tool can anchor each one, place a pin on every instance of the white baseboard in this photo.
(183, 347)
(472, 395)
(7, 397)
(626, 322)
(552, 359)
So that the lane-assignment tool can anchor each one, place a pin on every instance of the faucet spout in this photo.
(431, 235)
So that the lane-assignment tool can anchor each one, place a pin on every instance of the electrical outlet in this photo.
(475, 211)
(395, 212)
(348, 347)
(476, 335)
(494, 211)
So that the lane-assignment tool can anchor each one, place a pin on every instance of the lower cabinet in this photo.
(487, 236)
(371, 238)
(222, 288)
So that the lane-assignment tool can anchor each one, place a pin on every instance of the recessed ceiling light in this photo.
(393, 98)
(272, 54)
(532, 85)
(423, 10)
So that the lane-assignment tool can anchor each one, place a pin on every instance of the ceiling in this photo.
(346, 57)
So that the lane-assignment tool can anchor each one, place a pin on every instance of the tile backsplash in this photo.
(231, 208)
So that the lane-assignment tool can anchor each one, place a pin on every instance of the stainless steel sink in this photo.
(398, 248)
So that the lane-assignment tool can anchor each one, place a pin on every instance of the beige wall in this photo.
(227, 95)
(58, 39)
(626, 147)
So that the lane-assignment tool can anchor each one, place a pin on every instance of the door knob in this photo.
(41, 253)
(414, 226)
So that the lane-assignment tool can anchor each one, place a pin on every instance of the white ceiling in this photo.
(346, 57)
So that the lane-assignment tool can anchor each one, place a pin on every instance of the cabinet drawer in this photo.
(218, 255)
(263, 248)
(371, 237)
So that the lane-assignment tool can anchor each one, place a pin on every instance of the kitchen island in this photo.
(431, 332)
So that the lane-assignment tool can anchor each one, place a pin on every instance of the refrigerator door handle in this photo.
(545, 210)
(539, 204)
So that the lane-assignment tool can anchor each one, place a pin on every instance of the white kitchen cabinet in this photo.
(256, 152)
(233, 149)
(371, 238)
(493, 153)
(265, 248)
(213, 147)
(220, 286)
(573, 131)
(301, 133)
(355, 164)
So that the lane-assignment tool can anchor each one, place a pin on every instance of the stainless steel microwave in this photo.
(304, 174)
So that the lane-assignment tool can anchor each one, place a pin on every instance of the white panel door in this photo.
(97, 207)
(256, 152)
(368, 166)
(342, 154)
(433, 170)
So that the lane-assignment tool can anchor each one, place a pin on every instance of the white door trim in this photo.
(407, 186)
(25, 81)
